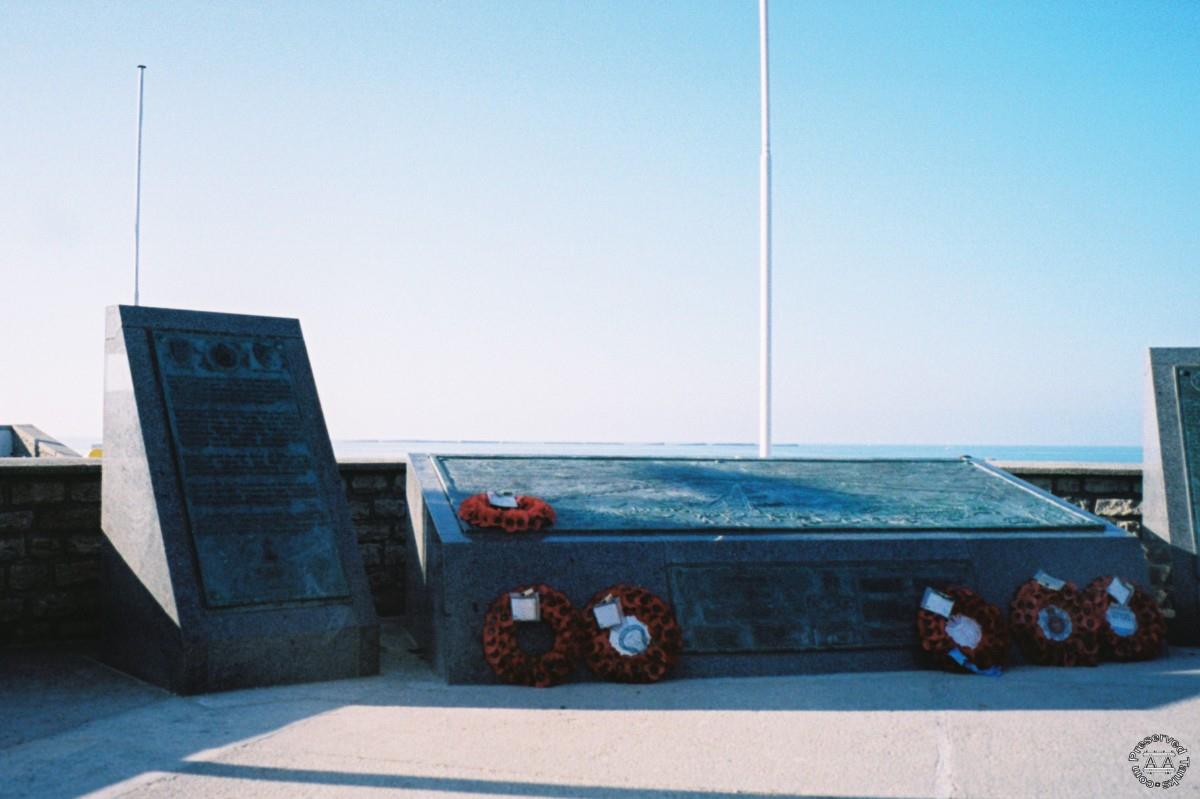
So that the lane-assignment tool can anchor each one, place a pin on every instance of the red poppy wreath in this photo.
(531, 514)
(1055, 623)
(634, 636)
(969, 635)
(503, 653)
(1133, 627)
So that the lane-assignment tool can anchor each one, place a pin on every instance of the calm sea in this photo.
(397, 448)
(389, 448)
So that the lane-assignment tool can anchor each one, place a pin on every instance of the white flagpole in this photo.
(137, 197)
(764, 243)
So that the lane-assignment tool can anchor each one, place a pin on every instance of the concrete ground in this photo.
(69, 726)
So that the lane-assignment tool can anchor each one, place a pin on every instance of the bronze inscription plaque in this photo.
(261, 529)
(794, 607)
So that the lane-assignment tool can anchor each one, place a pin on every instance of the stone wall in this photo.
(1109, 490)
(50, 534)
(380, 515)
(50, 542)
(49, 549)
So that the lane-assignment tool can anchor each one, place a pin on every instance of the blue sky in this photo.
(538, 220)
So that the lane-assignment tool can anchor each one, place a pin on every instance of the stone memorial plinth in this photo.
(1171, 476)
(772, 566)
(230, 558)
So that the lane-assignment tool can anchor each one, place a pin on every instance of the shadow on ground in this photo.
(72, 725)
(465, 786)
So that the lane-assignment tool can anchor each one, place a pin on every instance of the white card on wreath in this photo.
(525, 607)
(1119, 590)
(502, 499)
(608, 614)
(1053, 583)
(937, 602)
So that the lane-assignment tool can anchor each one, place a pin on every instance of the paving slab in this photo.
(75, 728)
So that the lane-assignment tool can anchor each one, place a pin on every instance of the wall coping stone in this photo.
(41, 466)
(360, 464)
(1051, 468)
(10, 466)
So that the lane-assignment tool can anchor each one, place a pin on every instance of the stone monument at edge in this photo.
(230, 558)
(1171, 476)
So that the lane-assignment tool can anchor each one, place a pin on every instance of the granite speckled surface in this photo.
(1171, 475)
(229, 557)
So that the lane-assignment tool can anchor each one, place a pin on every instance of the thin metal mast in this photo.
(764, 243)
(137, 197)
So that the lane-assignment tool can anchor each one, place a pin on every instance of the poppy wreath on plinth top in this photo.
(644, 647)
(1133, 631)
(531, 514)
(1056, 627)
(517, 667)
(975, 629)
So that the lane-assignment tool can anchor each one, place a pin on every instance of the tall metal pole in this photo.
(764, 243)
(137, 197)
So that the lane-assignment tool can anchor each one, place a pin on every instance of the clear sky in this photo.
(538, 220)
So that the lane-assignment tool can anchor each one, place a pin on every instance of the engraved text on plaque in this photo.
(1187, 378)
(793, 607)
(261, 530)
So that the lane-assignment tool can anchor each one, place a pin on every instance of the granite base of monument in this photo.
(230, 559)
(778, 566)
(1171, 477)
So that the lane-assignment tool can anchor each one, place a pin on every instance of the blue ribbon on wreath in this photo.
(958, 657)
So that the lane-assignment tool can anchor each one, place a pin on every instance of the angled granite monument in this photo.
(772, 566)
(230, 558)
(1171, 475)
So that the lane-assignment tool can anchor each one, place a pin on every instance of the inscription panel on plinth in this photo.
(794, 607)
(1187, 380)
(260, 527)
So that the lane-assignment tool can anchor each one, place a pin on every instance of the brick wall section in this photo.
(50, 543)
(49, 550)
(380, 514)
(50, 534)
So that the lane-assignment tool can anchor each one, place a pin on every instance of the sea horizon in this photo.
(399, 447)
(385, 447)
